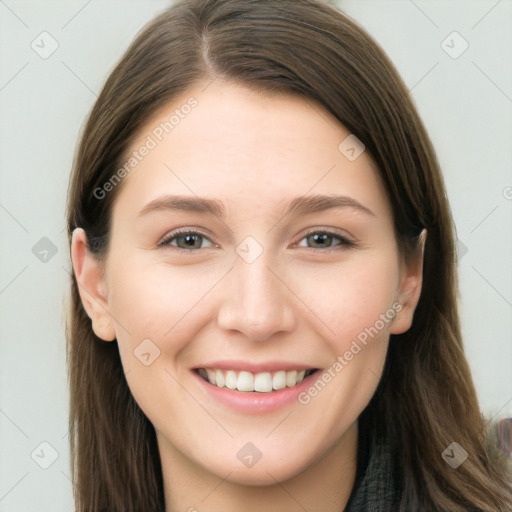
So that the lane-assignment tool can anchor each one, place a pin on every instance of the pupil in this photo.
(191, 240)
(321, 238)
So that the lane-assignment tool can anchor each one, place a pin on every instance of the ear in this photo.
(91, 286)
(409, 292)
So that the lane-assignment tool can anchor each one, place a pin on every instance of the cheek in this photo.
(348, 298)
(157, 301)
(356, 302)
(158, 310)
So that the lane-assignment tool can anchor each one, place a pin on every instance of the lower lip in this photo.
(254, 402)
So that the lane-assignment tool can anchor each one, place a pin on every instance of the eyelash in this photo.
(343, 241)
(166, 241)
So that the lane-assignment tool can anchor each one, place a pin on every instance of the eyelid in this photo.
(184, 231)
(346, 240)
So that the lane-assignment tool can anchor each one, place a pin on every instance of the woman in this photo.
(264, 302)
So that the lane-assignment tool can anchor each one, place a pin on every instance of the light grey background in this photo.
(466, 103)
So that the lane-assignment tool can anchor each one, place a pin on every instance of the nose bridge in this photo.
(256, 303)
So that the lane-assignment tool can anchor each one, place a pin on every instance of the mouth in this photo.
(262, 382)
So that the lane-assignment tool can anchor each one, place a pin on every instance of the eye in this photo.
(325, 240)
(190, 241)
(186, 240)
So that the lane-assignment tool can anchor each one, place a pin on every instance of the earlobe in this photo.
(91, 286)
(410, 290)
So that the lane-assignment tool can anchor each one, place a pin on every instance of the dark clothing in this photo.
(375, 487)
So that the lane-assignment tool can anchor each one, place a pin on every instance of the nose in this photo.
(256, 302)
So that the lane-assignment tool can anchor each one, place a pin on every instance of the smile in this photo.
(263, 382)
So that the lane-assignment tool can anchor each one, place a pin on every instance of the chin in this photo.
(262, 474)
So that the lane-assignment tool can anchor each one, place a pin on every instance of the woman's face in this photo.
(227, 262)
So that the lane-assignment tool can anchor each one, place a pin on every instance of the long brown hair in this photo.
(426, 398)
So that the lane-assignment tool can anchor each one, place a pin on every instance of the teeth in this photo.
(245, 381)
(211, 376)
(220, 380)
(291, 378)
(263, 382)
(279, 380)
(231, 379)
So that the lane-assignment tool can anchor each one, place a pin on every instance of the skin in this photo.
(253, 152)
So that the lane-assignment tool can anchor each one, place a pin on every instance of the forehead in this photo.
(249, 149)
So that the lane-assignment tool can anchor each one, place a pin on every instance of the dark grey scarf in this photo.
(375, 485)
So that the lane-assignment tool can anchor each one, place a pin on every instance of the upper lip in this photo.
(269, 366)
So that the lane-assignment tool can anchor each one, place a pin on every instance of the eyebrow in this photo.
(298, 206)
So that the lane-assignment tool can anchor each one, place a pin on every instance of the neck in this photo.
(325, 485)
